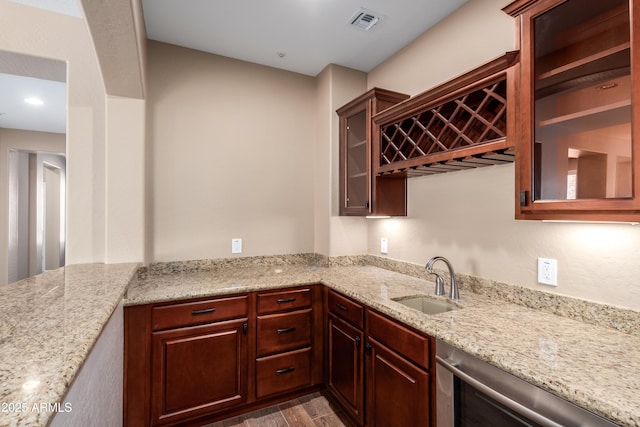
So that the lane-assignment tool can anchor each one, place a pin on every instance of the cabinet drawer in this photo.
(284, 301)
(286, 331)
(411, 345)
(346, 309)
(283, 372)
(198, 312)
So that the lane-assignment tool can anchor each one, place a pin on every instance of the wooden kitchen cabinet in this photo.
(361, 192)
(399, 384)
(578, 140)
(345, 364)
(377, 369)
(196, 361)
(201, 369)
(289, 350)
(198, 370)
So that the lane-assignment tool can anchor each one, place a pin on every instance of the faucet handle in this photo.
(439, 285)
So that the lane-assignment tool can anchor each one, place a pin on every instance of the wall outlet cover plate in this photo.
(548, 271)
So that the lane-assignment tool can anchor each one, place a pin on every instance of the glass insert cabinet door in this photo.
(357, 165)
(577, 92)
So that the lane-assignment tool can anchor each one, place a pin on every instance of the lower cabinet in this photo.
(398, 388)
(345, 366)
(198, 370)
(195, 361)
(383, 379)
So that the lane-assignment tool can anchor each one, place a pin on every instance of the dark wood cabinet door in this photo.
(198, 370)
(345, 377)
(397, 390)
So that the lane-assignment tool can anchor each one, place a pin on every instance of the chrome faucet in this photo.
(453, 294)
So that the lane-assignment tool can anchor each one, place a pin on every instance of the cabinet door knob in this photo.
(367, 348)
(358, 339)
(245, 328)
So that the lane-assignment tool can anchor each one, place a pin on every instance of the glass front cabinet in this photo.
(578, 136)
(363, 193)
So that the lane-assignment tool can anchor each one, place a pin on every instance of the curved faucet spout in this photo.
(453, 294)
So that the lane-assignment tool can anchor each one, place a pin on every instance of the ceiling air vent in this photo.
(365, 19)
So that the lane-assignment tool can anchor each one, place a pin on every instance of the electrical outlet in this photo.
(236, 246)
(384, 245)
(548, 271)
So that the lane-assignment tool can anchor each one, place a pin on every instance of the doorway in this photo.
(36, 213)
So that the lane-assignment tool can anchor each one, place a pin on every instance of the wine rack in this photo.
(459, 125)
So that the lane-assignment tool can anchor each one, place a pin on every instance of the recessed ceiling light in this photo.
(281, 54)
(34, 101)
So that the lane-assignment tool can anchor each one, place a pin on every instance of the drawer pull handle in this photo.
(285, 330)
(285, 300)
(342, 307)
(285, 370)
(205, 311)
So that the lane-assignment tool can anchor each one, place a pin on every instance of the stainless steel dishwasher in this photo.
(473, 393)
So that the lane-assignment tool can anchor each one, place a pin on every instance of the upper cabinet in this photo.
(360, 192)
(578, 137)
(457, 125)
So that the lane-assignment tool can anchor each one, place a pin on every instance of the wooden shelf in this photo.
(604, 54)
(586, 115)
(358, 175)
(358, 144)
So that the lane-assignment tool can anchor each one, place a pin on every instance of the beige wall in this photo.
(468, 216)
(334, 235)
(231, 155)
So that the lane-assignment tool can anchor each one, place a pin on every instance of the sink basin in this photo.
(426, 305)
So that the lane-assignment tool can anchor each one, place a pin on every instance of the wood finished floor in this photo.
(313, 410)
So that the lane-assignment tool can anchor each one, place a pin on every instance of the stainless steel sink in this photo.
(426, 305)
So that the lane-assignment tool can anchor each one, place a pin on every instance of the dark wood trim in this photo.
(448, 90)
(137, 366)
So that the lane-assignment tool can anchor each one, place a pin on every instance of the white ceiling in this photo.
(67, 7)
(312, 33)
(302, 36)
(15, 113)
(23, 76)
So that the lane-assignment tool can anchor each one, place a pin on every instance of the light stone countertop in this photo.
(48, 325)
(593, 366)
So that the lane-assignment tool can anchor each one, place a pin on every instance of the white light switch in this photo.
(236, 246)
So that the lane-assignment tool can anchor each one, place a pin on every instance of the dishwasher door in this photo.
(473, 393)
